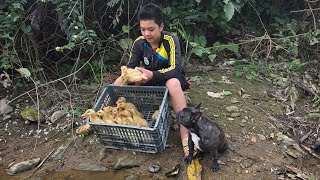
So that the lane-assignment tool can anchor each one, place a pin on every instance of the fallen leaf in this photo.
(174, 171)
(24, 72)
(194, 170)
(299, 173)
(293, 153)
(226, 93)
(245, 96)
(297, 147)
(214, 95)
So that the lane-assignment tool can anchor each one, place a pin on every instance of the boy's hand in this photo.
(147, 73)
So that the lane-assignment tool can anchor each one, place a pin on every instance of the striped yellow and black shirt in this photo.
(165, 61)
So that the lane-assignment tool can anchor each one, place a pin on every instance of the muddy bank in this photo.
(242, 107)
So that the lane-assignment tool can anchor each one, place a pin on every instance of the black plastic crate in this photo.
(147, 99)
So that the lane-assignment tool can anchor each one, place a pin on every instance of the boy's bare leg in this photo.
(178, 102)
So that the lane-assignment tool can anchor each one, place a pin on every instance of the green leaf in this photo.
(229, 10)
(125, 29)
(238, 73)
(193, 44)
(212, 57)
(201, 40)
(166, 10)
(218, 47)
(198, 51)
(25, 28)
(207, 51)
(24, 72)
(233, 47)
(126, 43)
(17, 5)
(226, 93)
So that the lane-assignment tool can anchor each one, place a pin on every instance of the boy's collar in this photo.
(160, 40)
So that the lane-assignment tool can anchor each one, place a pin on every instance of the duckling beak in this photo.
(84, 115)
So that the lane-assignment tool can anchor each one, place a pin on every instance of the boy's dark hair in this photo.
(151, 11)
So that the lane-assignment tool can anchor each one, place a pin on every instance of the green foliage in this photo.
(59, 37)
(248, 70)
(73, 24)
(11, 16)
(78, 111)
(295, 65)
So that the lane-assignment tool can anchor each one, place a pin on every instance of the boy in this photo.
(159, 53)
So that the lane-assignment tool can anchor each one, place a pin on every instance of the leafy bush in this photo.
(58, 37)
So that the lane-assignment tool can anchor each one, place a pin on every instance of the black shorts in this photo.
(184, 83)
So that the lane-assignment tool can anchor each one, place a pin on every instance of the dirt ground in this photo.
(255, 151)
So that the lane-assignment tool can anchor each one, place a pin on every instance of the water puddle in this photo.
(75, 175)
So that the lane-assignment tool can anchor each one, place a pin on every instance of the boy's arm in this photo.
(135, 54)
(174, 69)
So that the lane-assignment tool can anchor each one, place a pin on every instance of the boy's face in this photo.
(151, 31)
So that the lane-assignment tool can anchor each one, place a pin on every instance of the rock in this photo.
(238, 169)
(126, 162)
(23, 166)
(262, 137)
(231, 109)
(5, 108)
(314, 116)
(154, 168)
(90, 167)
(253, 139)
(26, 122)
(31, 114)
(246, 163)
(6, 117)
(56, 116)
(235, 114)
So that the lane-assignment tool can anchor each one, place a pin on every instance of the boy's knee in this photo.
(173, 84)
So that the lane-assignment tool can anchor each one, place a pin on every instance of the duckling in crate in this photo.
(123, 104)
(138, 120)
(108, 110)
(155, 114)
(126, 117)
(91, 114)
(107, 118)
(85, 129)
(130, 75)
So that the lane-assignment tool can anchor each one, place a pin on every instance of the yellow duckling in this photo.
(130, 75)
(105, 117)
(91, 114)
(108, 111)
(155, 115)
(84, 129)
(116, 117)
(138, 120)
(127, 105)
(126, 117)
